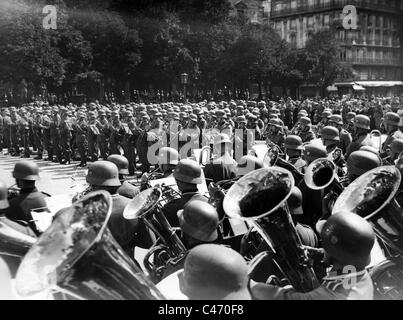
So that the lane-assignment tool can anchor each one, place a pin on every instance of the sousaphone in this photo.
(77, 255)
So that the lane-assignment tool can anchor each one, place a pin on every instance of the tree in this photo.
(322, 58)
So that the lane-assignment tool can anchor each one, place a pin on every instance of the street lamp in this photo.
(184, 81)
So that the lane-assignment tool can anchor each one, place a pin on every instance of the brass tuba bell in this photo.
(260, 197)
(77, 255)
(169, 250)
(372, 196)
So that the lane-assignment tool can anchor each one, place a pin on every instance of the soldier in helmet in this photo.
(243, 138)
(55, 137)
(293, 148)
(312, 152)
(187, 175)
(14, 132)
(92, 136)
(325, 115)
(26, 173)
(345, 137)
(349, 125)
(66, 129)
(361, 136)
(360, 162)
(117, 132)
(104, 175)
(81, 128)
(348, 279)
(306, 132)
(275, 134)
(104, 133)
(391, 123)
(210, 272)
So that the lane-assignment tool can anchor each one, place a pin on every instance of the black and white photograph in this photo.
(201, 150)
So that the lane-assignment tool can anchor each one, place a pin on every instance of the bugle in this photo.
(260, 198)
(78, 256)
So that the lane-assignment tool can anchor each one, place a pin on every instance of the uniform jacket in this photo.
(357, 143)
(220, 169)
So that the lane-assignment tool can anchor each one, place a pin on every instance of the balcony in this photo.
(330, 6)
(375, 62)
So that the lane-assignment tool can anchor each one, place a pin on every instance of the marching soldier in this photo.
(243, 138)
(275, 134)
(7, 129)
(142, 142)
(47, 140)
(324, 120)
(38, 134)
(66, 128)
(349, 125)
(81, 128)
(117, 132)
(55, 137)
(104, 133)
(92, 135)
(14, 132)
(128, 142)
(360, 162)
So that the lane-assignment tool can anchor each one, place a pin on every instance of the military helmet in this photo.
(360, 162)
(103, 173)
(305, 121)
(121, 162)
(293, 142)
(326, 114)
(348, 238)
(275, 123)
(336, 118)
(241, 119)
(392, 118)
(363, 122)
(3, 196)
(330, 133)
(26, 170)
(168, 156)
(302, 113)
(199, 220)
(215, 272)
(351, 115)
(314, 151)
(188, 171)
(247, 164)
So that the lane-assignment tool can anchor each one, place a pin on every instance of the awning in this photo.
(357, 87)
(379, 83)
(332, 88)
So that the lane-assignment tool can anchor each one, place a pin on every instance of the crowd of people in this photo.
(149, 140)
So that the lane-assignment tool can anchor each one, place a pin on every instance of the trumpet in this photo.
(78, 256)
(169, 250)
(260, 198)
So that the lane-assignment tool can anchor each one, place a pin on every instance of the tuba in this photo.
(78, 256)
(377, 134)
(260, 198)
(169, 250)
(273, 158)
(373, 197)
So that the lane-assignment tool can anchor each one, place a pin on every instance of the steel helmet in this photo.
(121, 162)
(302, 113)
(275, 123)
(305, 121)
(295, 201)
(103, 173)
(363, 122)
(26, 170)
(293, 142)
(392, 118)
(3, 195)
(199, 220)
(241, 119)
(215, 272)
(314, 151)
(351, 115)
(336, 118)
(247, 164)
(348, 238)
(360, 162)
(330, 133)
(188, 171)
(326, 114)
(168, 156)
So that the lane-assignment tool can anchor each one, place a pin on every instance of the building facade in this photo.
(373, 47)
(256, 11)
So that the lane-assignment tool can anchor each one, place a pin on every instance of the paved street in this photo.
(55, 179)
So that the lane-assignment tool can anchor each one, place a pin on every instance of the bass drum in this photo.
(388, 280)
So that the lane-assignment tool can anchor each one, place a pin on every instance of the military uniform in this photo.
(117, 131)
(21, 206)
(220, 169)
(307, 136)
(103, 137)
(55, 138)
(92, 135)
(390, 138)
(14, 135)
(81, 128)
(345, 140)
(66, 128)
(47, 145)
(38, 134)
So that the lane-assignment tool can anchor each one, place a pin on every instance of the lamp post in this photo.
(184, 81)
